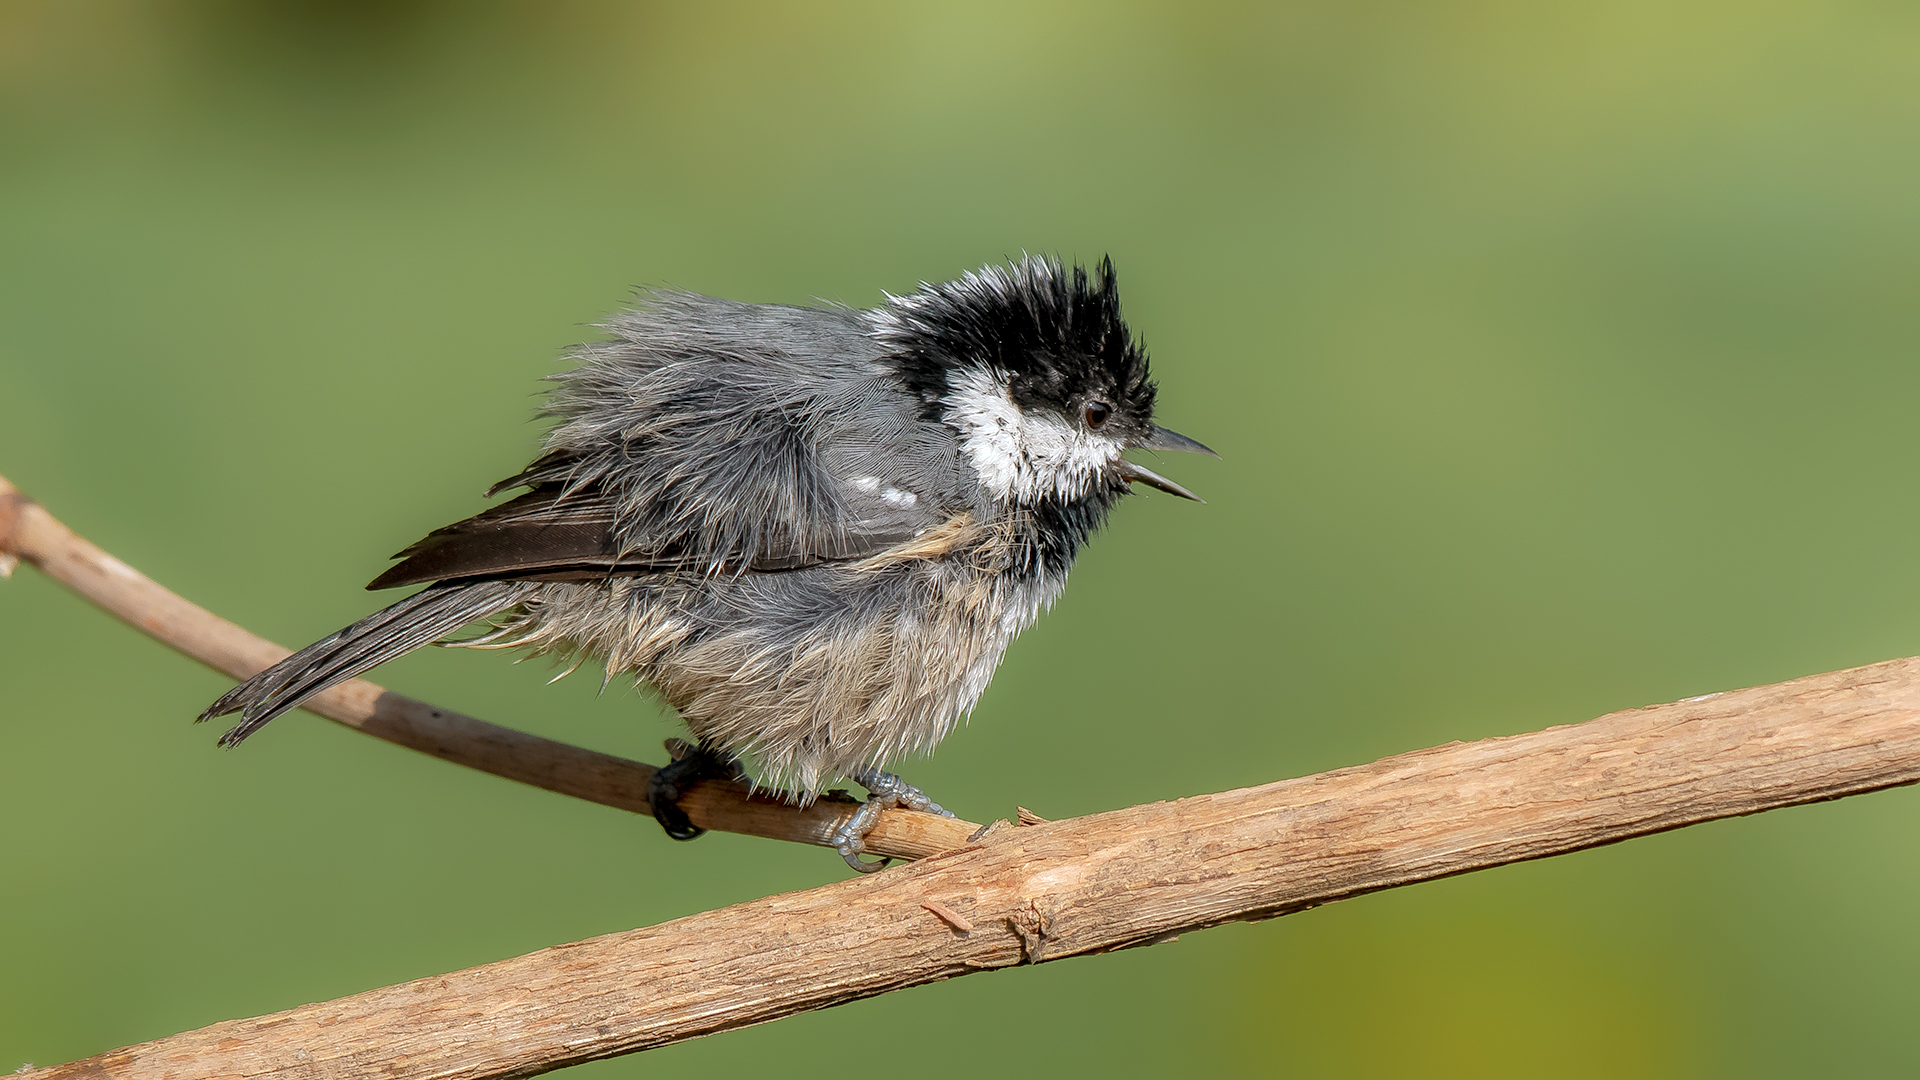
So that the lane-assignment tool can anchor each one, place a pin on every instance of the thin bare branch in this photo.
(29, 533)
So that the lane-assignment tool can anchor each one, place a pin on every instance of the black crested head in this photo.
(1053, 336)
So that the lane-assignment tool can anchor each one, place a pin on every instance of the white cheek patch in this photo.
(1021, 457)
(989, 424)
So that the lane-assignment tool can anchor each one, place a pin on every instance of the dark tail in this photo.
(431, 613)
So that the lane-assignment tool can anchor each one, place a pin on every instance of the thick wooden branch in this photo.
(1066, 888)
(29, 533)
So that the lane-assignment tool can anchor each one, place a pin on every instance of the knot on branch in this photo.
(1032, 926)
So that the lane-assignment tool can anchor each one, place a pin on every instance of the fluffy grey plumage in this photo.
(814, 531)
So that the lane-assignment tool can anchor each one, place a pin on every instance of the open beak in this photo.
(1164, 439)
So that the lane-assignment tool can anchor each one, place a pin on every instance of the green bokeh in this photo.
(1563, 358)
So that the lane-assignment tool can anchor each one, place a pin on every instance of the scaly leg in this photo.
(884, 792)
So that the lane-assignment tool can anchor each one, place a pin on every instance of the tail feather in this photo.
(427, 615)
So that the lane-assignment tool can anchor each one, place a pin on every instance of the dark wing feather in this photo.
(392, 631)
(551, 534)
(538, 533)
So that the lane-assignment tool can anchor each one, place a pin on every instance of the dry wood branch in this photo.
(28, 532)
(1065, 888)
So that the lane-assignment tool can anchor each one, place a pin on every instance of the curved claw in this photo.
(854, 860)
(677, 824)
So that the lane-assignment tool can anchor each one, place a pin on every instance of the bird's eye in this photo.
(1097, 413)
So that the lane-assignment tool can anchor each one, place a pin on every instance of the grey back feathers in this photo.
(729, 433)
(712, 436)
(813, 531)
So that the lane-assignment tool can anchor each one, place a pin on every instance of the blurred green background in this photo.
(1563, 359)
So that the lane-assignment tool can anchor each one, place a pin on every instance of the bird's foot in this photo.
(884, 792)
(691, 763)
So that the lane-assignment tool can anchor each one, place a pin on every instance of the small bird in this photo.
(813, 531)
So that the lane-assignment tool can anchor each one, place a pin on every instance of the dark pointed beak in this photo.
(1141, 475)
(1164, 439)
